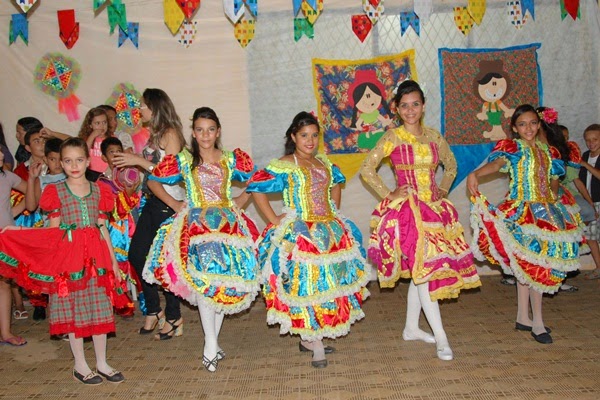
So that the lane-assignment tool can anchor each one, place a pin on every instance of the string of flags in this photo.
(242, 14)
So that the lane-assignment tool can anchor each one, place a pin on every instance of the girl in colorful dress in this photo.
(530, 235)
(72, 260)
(416, 233)
(166, 137)
(94, 130)
(310, 255)
(205, 253)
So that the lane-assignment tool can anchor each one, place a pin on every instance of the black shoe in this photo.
(328, 349)
(521, 327)
(39, 313)
(319, 364)
(113, 376)
(90, 379)
(543, 338)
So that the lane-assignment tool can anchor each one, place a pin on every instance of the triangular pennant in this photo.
(188, 7)
(424, 9)
(476, 10)
(233, 9)
(408, 19)
(303, 27)
(528, 6)
(569, 7)
(252, 6)
(25, 5)
(311, 3)
(68, 28)
(98, 4)
(244, 31)
(463, 20)
(117, 15)
(297, 4)
(373, 9)
(132, 34)
(311, 13)
(173, 15)
(515, 13)
(19, 26)
(187, 33)
(361, 26)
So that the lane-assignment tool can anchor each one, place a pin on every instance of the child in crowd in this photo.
(205, 253)
(113, 122)
(8, 181)
(529, 234)
(590, 176)
(72, 260)
(9, 161)
(94, 129)
(24, 125)
(121, 224)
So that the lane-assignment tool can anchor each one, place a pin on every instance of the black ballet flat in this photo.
(319, 364)
(543, 338)
(328, 349)
(521, 327)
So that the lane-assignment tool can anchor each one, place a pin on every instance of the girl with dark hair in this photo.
(208, 246)
(311, 256)
(530, 235)
(8, 160)
(416, 233)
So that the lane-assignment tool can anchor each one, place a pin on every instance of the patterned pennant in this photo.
(374, 9)
(252, 6)
(303, 27)
(297, 5)
(188, 7)
(19, 26)
(311, 3)
(68, 28)
(570, 7)
(132, 34)
(117, 15)
(476, 10)
(187, 33)
(424, 9)
(173, 15)
(244, 31)
(361, 26)
(98, 4)
(463, 20)
(527, 5)
(515, 13)
(311, 13)
(409, 19)
(233, 9)
(25, 4)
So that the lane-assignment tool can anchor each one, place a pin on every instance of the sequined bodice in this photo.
(210, 182)
(415, 164)
(320, 186)
(530, 175)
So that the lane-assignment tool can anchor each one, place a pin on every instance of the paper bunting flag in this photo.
(233, 9)
(173, 15)
(409, 19)
(117, 15)
(68, 28)
(125, 98)
(98, 4)
(252, 6)
(187, 33)
(132, 33)
(361, 26)
(303, 27)
(311, 13)
(570, 7)
(515, 13)
(244, 31)
(476, 10)
(528, 6)
(189, 7)
(463, 20)
(58, 76)
(423, 8)
(374, 9)
(297, 5)
(19, 26)
(26, 4)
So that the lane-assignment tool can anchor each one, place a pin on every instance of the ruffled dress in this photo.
(312, 261)
(71, 263)
(418, 237)
(206, 254)
(530, 234)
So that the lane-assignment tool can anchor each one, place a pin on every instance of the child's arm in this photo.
(160, 192)
(336, 195)
(263, 204)
(106, 237)
(583, 191)
(49, 133)
(32, 197)
(241, 200)
(489, 168)
(593, 170)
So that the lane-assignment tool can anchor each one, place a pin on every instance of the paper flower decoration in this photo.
(58, 76)
(126, 100)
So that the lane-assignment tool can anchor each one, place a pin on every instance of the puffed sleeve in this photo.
(243, 166)
(508, 150)
(574, 155)
(447, 159)
(368, 170)
(266, 181)
(107, 201)
(558, 165)
(336, 175)
(50, 202)
(167, 171)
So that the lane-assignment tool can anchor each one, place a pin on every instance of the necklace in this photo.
(306, 159)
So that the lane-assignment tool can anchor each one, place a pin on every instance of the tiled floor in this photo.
(492, 360)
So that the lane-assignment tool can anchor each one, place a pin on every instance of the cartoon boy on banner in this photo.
(352, 98)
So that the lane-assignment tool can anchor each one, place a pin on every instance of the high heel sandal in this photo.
(176, 330)
(208, 364)
(160, 321)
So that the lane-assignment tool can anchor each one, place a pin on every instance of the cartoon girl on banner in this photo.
(367, 97)
(492, 84)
